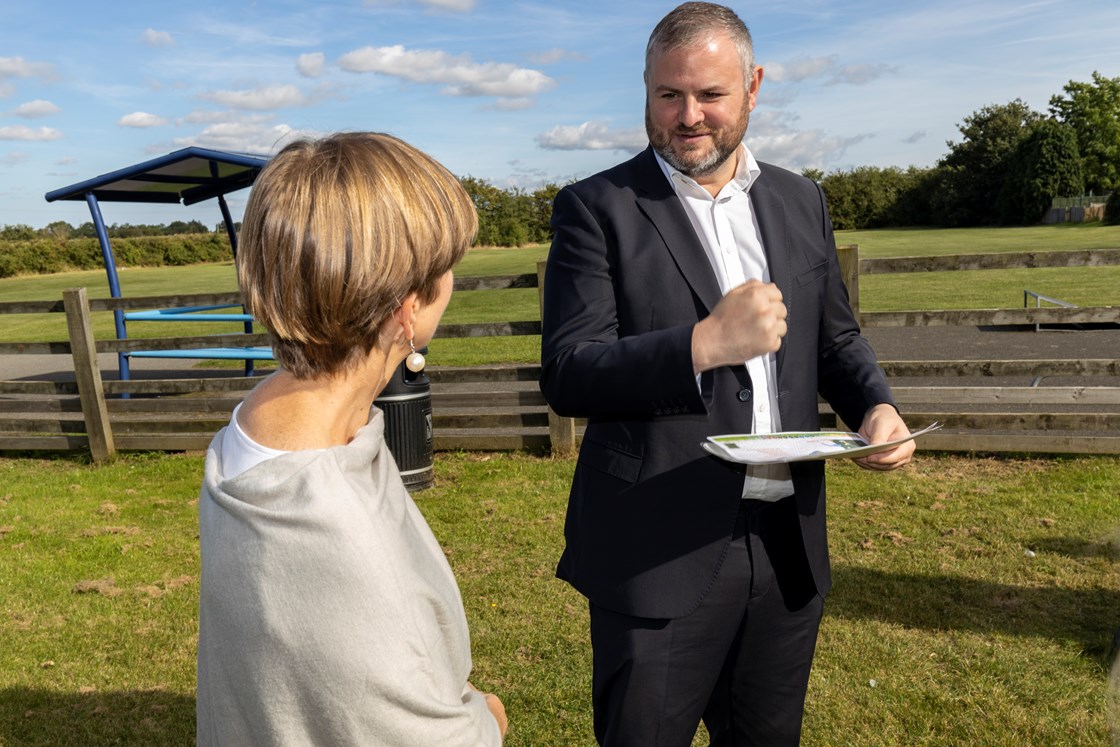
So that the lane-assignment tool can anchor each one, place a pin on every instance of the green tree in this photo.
(914, 204)
(17, 232)
(505, 217)
(874, 197)
(512, 232)
(540, 222)
(178, 227)
(1093, 110)
(841, 190)
(1112, 209)
(59, 230)
(487, 201)
(972, 173)
(1045, 165)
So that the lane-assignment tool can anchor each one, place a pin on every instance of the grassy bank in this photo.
(974, 600)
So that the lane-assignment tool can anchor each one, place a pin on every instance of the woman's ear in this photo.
(406, 315)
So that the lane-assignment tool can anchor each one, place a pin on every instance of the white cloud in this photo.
(776, 97)
(17, 67)
(512, 104)
(552, 56)
(15, 158)
(207, 116)
(258, 35)
(22, 132)
(141, 120)
(65, 161)
(6, 89)
(796, 150)
(858, 75)
(310, 65)
(239, 131)
(798, 69)
(36, 108)
(773, 119)
(460, 75)
(260, 99)
(804, 68)
(593, 136)
(155, 38)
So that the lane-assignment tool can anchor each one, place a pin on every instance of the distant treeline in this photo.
(29, 256)
(866, 197)
(506, 218)
(60, 230)
(1007, 169)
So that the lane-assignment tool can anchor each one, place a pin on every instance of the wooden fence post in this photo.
(88, 374)
(848, 255)
(561, 431)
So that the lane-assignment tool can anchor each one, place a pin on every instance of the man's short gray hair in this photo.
(693, 22)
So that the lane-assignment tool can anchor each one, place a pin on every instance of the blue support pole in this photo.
(231, 230)
(114, 282)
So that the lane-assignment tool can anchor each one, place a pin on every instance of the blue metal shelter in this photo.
(187, 176)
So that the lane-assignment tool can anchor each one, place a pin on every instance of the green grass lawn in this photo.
(974, 600)
(917, 242)
(1084, 286)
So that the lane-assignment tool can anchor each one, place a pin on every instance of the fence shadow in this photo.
(1089, 616)
(33, 716)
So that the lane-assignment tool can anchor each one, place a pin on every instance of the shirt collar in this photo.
(746, 172)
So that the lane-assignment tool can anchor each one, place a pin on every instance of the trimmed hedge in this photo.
(43, 255)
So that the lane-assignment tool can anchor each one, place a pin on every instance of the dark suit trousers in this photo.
(740, 661)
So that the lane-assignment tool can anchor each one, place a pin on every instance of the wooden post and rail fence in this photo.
(499, 407)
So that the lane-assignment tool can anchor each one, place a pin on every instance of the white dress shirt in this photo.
(728, 230)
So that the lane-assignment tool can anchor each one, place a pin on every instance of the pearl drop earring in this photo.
(415, 361)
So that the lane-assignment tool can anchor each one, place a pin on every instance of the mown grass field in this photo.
(974, 600)
(1084, 286)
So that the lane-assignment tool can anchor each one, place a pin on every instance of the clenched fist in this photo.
(750, 320)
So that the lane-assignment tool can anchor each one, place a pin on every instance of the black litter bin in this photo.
(407, 404)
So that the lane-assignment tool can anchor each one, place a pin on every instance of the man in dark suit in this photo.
(692, 291)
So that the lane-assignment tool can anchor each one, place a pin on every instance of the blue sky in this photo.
(517, 93)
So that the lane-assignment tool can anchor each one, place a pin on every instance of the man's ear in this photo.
(753, 86)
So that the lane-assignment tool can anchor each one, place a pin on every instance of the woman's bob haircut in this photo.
(336, 234)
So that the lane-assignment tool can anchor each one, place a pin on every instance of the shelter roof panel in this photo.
(188, 175)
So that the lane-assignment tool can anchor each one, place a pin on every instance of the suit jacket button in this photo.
(744, 395)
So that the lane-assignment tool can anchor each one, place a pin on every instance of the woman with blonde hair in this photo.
(328, 612)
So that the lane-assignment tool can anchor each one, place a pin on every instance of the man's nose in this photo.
(690, 114)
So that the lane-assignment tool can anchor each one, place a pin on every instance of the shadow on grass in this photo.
(30, 716)
(1089, 616)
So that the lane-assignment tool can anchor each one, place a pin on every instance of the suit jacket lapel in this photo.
(770, 212)
(657, 200)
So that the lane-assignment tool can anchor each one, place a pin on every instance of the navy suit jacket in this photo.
(650, 513)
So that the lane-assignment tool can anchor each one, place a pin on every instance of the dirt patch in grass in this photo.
(106, 587)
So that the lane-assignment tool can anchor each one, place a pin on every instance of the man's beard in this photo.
(724, 144)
